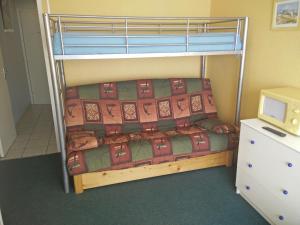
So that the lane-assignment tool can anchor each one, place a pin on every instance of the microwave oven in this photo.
(281, 107)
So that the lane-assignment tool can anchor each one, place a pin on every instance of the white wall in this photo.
(33, 51)
(15, 65)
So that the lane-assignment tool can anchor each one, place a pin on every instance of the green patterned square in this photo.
(98, 128)
(127, 90)
(141, 150)
(193, 85)
(165, 125)
(181, 145)
(197, 117)
(161, 88)
(131, 128)
(218, 142)
(97, 159)
(89, 91)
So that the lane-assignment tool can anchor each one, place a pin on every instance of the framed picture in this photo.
(6, 15)
(286, 14)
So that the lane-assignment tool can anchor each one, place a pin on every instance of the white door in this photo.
(7, 125)
(34, 56)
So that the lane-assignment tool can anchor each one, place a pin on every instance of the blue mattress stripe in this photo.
(197, 43)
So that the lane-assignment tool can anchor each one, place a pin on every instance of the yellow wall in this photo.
(273, 57)
(105, 70)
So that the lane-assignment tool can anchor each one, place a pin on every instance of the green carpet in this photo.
(31, 194)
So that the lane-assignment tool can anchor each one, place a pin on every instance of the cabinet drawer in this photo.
(286, 191)
(271, 163)
(273, 208)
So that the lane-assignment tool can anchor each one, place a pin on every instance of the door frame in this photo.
(6, 141)
(25, 56)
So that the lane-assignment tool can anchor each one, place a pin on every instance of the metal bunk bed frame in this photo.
(64, 23)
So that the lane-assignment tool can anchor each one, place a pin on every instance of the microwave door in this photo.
(274, 108)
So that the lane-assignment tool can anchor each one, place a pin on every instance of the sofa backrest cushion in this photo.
(141, 105)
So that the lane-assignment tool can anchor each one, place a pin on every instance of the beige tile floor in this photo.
(35, 134)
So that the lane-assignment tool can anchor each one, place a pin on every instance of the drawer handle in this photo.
(281, 217)
(252, 142)
(247, 187)
(285, 192)
(250, 165)
(290, 164)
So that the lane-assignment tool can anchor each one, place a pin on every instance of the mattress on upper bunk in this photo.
(88, 43)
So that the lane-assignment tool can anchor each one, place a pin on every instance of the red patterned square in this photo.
(76, 163)
(149, 127)
(72, 92)
(73, 112)
(180, 106)
(120, 153)
(208, 102)
(161, 146)
(196, 103)
(147, 110)
(92, 112)
(145, 89)
(178, 86)
(108, 91)
(111, 111)
(200, 142)
(164, 108)
(206, 84)
(112, 129)
(183, 122)
(129, 112)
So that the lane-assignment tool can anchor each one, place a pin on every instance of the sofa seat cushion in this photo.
(217, 126)
(146, 148)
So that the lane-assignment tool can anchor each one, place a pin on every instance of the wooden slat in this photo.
(78, 184)
(98, 179)
(229, 158)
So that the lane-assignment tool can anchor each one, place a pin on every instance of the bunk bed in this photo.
(85, 37)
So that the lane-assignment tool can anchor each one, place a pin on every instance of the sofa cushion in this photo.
(217, 126)
(135, 106)
(82, 140)
(148, 148)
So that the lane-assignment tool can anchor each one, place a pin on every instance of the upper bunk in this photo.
(106, 37)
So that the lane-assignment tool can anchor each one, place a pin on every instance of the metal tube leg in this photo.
(239, 92)
(203, 67)
(58, 114)
(241, 75)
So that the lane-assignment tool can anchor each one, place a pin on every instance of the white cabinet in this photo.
(268, 172)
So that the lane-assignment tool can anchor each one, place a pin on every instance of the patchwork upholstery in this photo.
(217, 126)
(132, 123)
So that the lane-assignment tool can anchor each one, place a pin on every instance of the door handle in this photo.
(4, 72)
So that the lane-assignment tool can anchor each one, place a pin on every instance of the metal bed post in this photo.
(60, 35)
(58, 117)
(241, 73)
(62, 82)
(237, 33)
(126, 34)
(203, 58)
(187, 35)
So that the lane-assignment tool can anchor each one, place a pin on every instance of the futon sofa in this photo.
(128, 130)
